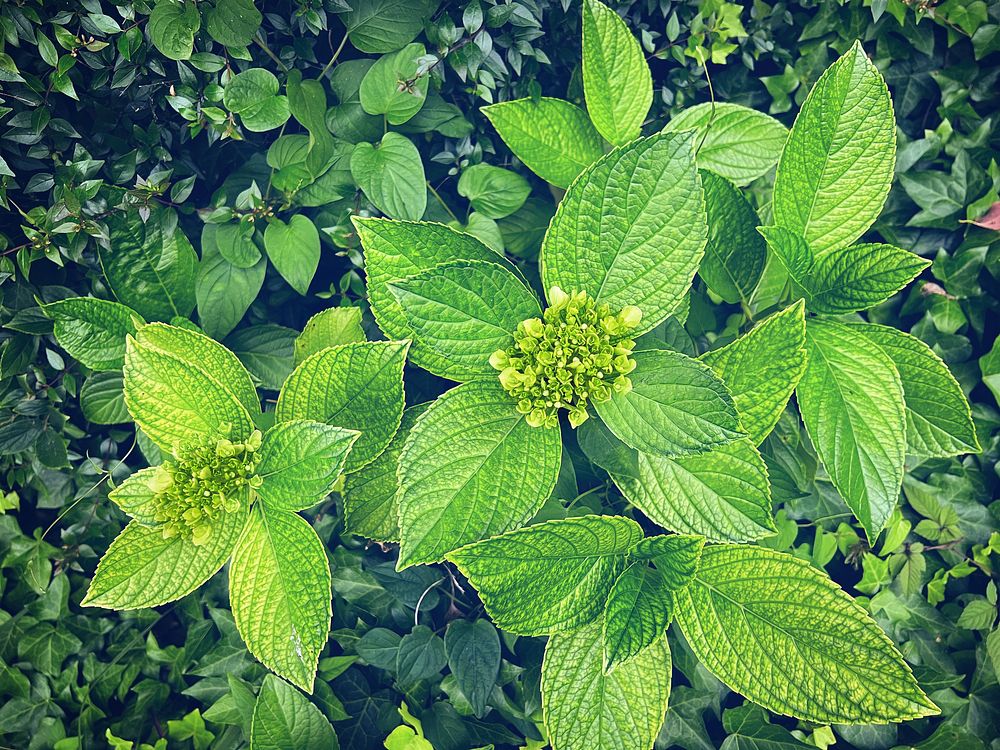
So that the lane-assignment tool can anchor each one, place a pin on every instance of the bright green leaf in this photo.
(294, 250)
(391, 176)
(92, 330)
(283, 718)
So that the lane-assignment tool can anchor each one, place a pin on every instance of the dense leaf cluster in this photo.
(178, 162)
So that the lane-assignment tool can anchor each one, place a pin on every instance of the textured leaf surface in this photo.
(300, 461)
(371, 506)
(331, 327)
(283, 718)
(835, 170)
(358, 386)
(391, 176)
(586, 708)
(762, 368)
(102, 398)
(736, 253)
(736, 142)
(471, 467)
(676, 556)
(178, 403)
(851, 400)
(172, 26)
(134, 496)
(751, 617)
(464, 311)
(473, 650)
(398, 249)
(92, 330)
(280, 593)
(554, 138)
(860, 276)
(616, 79)
(142, 569)
(631, 230)
(551, 577)
(938, 419)
(638, 611)
(267, 351)
(677, 406)
(723, 495)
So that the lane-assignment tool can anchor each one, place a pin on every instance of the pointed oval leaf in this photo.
(736, 253)
(638, 611)
(283, 718)
(294, 250)
(135, 495)
(92, 330)
(473, 650)
(855, 278)
(391, 176)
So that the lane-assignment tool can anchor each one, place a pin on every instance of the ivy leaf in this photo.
(172, 26)
(391, 176)
(398, 249)
(836, 168)
(493, 191)
(585, 707)
(473, 650)
(280, 593)
(638, 610)
(554, 138)
(371, 506)
(631, 229)
(677, 406)
(551, 577)
(383, 91)
(92, 331)
(471, 467)
(762, 367)
(749, 729)
(938, 419)
(464, 311)
(735, 142)
(735, 254)
(233, 22)
(253, 95)
(616, 79)
(358, 386)
(851, 400)
(723, 494)
(284, 718)
(224, 291)
(142, 569)
(152, 266)
(750, 617)
(294, 250)
(331, 327)
(300, 461)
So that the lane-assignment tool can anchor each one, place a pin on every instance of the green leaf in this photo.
(224, 291)
(586, 708)
(735, 254)
(234, 241)
(551, 577)
(631, 229)
(677, 406)
(616, 79)
(300, 462)
(792, 252)
(836, 168)
(851, 400)
(554, 138)
(420, 656)
(135, 495)
(383, 90)
(735, 142)
(102, 398)
(266, 350)
(142, 569)
(172, 26)
(233, 22)
(749, 729)
(371, 506)
(280, 593)
(470, 468)
(938, 419)
(92, 331)
(177, 402)
(464, 311)
(294, 250)
(473, 650)
(493, 191)
(750, 616)
(723, 495)
(391, 176)
(358, 386)
(762, 367)
(638, 611)
(152, 266)
(253, 95)
(860, 276)
(377, 26)
(398, 249)
(283, 718)
(331, 327)
(676, 556)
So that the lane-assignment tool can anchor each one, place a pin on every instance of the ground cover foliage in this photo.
(176, 173)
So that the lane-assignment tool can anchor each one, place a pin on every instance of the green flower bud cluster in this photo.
(577, 352)
(203, 482)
